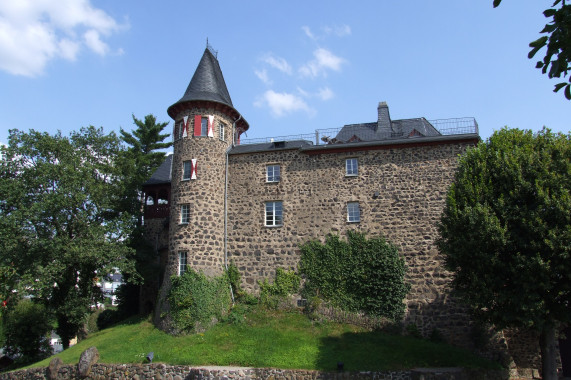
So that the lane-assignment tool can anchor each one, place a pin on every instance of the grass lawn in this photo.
(272, 339)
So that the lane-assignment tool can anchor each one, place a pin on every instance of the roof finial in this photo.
(209, 47)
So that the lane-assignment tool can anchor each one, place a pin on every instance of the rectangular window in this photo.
(351, 167)
(186, 170)
(353, 212)
(274, 213)
(273, 173)
(178, 131)
(204, 126)
(185, 214)
(221, 131)
(182, 256)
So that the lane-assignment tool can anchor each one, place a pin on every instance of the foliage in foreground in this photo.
(506, 232)
(58, 224)
(285, 283)
(557, 59)
(196, 300)
(273, 339)
(27, 331)
(359, 274)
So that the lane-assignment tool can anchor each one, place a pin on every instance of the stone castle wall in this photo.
(202, 238)
(401, 192)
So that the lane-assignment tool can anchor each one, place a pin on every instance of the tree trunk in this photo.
(548, 345)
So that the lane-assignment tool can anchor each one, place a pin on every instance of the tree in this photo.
(27, 331)
(506, 233)
(138, 163)
(141, 159)
(558, 43)
(59, 209)
(359, 274)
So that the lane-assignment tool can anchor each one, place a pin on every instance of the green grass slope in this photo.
(273, 339)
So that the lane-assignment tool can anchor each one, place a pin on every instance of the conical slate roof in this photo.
(206, 84)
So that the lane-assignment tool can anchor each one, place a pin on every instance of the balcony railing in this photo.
(446, 127)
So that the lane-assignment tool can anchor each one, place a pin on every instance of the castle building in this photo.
(218, 199)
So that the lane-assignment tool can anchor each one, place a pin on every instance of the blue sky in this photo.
(291, 66)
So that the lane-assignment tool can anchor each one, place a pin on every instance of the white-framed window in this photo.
(273, 173)
(351, 167)
(182, 260)
(353, 212)
(186, 170)
(178, 131)
(274, 214)
(185, 214)
(221, 131)
(204, 126)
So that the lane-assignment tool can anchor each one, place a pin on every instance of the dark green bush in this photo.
(108, 318)
(197, 300)
(359, 274)
(27, 326)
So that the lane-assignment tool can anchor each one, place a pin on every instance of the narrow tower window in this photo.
(221, 131)
(185, 214)
(182, 258)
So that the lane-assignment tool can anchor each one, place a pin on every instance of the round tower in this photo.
(206, 124)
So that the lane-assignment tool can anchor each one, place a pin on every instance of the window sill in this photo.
(351, 175)
(183, 223)
(276, 226)
(353, 221)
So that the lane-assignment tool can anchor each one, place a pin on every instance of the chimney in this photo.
(384, 121)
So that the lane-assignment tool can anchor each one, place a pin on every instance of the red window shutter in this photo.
(193, 169)
(210, 126)
(197, 120)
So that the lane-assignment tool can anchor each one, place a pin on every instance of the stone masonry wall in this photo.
(202, 238)
(411, 185)
(180, 372)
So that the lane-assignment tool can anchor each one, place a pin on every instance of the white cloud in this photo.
(33, 32)
(93, 41)
(263, 76)
(278, 63)
(339, 31)
(325, 93)
(308, 32)
(324, 60)
(281, 104)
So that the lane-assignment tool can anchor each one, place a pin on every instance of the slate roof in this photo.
(405, 128)
(269, 146)
(207, 83)
(162, 174)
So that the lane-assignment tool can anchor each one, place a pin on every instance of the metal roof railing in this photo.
(446, 127)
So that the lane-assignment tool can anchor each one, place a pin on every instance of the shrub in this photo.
(285, 283)
(26, 327)
(412, 330)
(357, 275)
(108, 318)
(196, 300)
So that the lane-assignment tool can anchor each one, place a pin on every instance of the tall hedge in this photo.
(358, 274)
